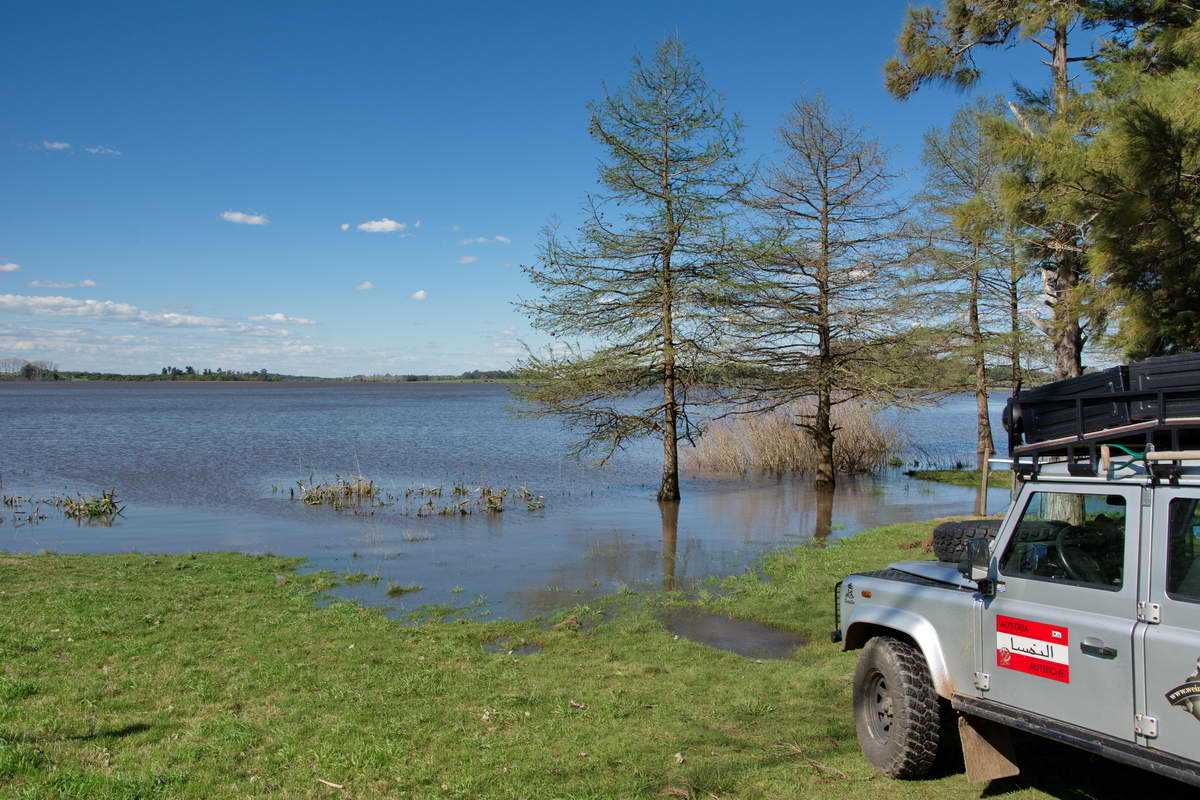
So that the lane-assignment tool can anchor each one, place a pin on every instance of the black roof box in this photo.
(1154, 402)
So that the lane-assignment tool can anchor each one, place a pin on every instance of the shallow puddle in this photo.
(739, 636)
(504, 646)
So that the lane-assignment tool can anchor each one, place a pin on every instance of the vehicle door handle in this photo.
(1094, 647)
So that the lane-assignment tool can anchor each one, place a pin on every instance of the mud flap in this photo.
(987, 749)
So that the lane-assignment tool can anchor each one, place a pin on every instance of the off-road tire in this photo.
(896, 710)
(950, 538)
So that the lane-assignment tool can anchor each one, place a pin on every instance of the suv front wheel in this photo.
(896, 709)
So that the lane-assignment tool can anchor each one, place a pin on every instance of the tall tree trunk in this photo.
(668, 490)
(822, 433)
(1068, 333)
(823, 430)
(984, 447)
(1014, 316)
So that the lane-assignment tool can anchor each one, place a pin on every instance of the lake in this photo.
(210, 466)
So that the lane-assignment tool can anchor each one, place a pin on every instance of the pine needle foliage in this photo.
(1044, 143)
(1143, 180)
(628, 297)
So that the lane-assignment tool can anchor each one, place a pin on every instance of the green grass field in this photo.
(997, 479)
(217, 676)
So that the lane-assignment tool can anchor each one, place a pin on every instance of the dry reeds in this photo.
(773, 442)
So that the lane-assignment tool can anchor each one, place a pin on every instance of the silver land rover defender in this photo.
(1076, 617)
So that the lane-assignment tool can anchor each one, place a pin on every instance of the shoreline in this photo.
(220, 674)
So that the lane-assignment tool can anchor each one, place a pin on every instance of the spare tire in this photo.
(950, 538)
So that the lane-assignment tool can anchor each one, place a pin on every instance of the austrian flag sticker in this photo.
(1033, 647)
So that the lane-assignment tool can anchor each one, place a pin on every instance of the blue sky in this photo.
(185, 183)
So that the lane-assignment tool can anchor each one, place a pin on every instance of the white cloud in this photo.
(456, 227)
(365, 286)
(345, 226)
(242, 218)
(384, 225)
(62, 284)
(9, 267)
(56, 145)
(417, 224)
(506, 343)
(468, 259)
(59, 306)
(103, 150)
(419, 294)
(486, 240)
(277, 317)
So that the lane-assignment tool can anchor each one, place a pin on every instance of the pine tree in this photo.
(1143, 182)
(1045, 142)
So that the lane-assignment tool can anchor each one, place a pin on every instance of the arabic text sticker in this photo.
(1035, 648)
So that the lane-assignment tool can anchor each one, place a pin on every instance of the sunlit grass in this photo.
(217, 676)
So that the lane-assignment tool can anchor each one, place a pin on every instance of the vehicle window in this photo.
(1074, 538)
(1183, 549)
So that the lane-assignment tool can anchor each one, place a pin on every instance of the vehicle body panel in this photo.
(1034, 631)
(942, 629)
(1170, 653)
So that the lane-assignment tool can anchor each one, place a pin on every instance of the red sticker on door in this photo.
(1033, 647)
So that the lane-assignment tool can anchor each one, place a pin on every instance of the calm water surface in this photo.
(208, 466)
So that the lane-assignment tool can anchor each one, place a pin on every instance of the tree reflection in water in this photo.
(824, 521)
(669, 512)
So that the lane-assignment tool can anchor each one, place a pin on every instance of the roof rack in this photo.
(1146, 413)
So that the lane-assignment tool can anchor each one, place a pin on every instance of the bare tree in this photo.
(819, 308)
(11, 366)
(628, 297)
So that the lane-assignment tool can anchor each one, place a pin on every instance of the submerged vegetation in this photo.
(776, 442)
(101, 510)
(216, 675)
(361, 496)
(339, 493)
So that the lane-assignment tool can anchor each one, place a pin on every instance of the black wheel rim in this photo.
(880, 707)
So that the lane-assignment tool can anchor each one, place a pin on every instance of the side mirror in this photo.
(978, 565)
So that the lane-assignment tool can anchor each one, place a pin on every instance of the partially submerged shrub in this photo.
(774, 442)
(81, 507)
(341, 492)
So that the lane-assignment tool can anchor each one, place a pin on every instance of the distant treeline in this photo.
(15, 369)
(18, 369)
(945, 373)
(470, 375)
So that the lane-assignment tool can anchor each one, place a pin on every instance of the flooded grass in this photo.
(99, 511)
(362, 497)
(340, 493)
(396, 589)
(203, 676)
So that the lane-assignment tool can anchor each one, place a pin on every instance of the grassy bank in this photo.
(216, 675)
(997, 479)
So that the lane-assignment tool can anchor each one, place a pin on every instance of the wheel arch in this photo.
(869, 622)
